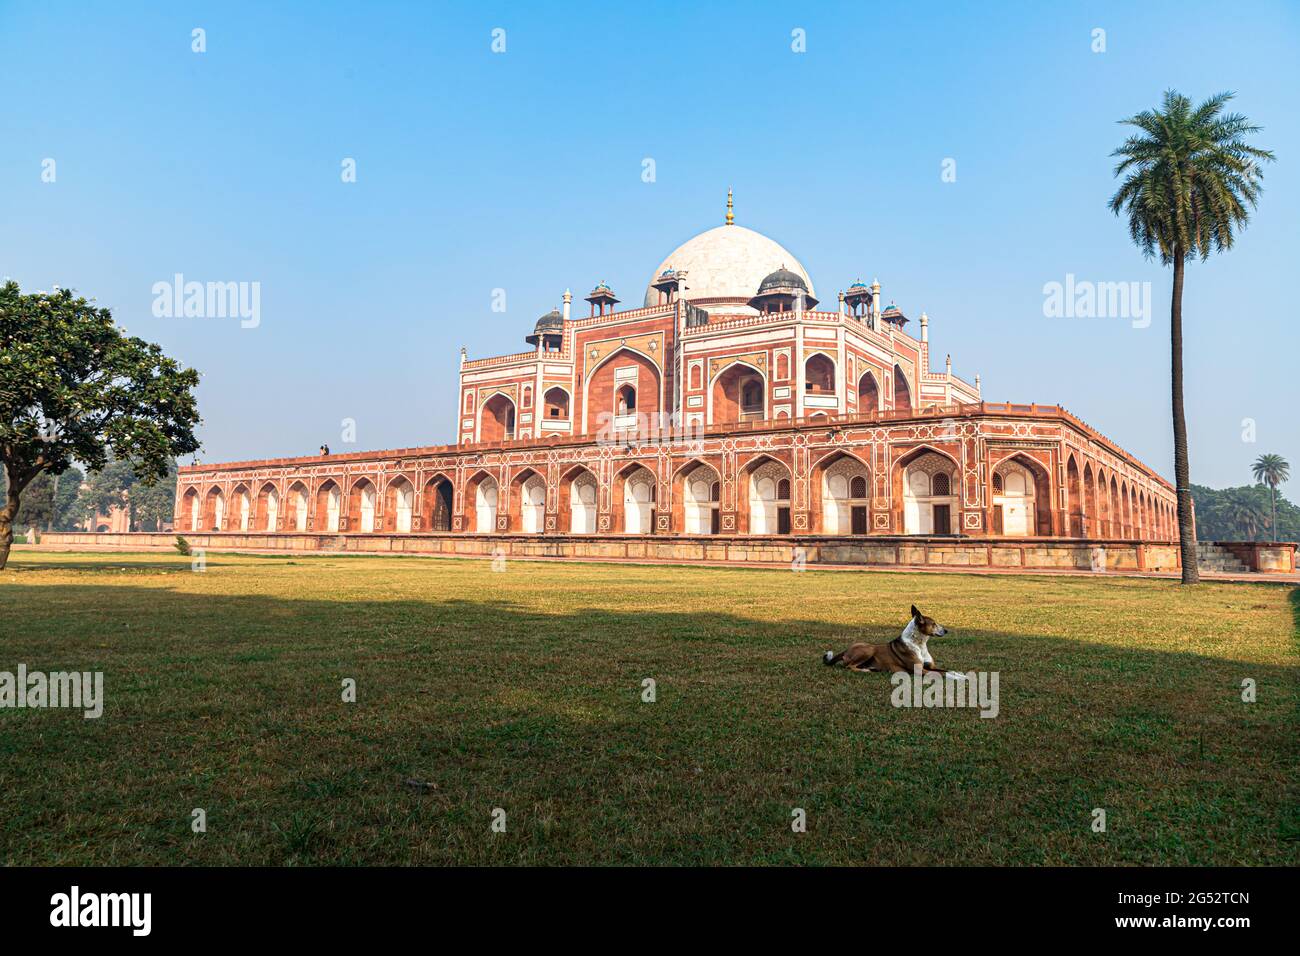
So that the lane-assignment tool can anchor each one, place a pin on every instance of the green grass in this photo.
(522, 690)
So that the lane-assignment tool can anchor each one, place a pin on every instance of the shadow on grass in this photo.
(233, 703)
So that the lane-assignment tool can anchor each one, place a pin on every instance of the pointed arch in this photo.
(902, 389)
(329, 506)
(191, 511)
(737, 383)
(526, 502)
(868, 393)
(214, 509)
(697, 493)
(268, 507)
(634, 499)
(480, 501)
(363, 506)
(497, 419)
(1074, 505)
(764, 488)
(820, 374)
(556, 403)
(437, 503)
(841, 494)
(1091, 525)
(399, 504)
(926, 485)
(298, 505)
(1021, 498)
(624, 367)
(579, 500)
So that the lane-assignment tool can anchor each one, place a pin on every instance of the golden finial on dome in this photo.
(731, 216)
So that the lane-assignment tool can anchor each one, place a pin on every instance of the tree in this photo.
(1189, 180)
(1271, 470)
(73, 386)
(153, 504)
(1244, 515)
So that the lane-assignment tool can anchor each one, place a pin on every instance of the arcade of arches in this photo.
(847, 490)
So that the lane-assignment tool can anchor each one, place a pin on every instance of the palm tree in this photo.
(1189, 178)
(1244, 515)
(1271, 470)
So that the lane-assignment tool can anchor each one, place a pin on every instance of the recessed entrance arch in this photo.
(528, 502)
(481, 499)
(298, 505)
(399, 502)
(842, 495)
(329, 505)
(929, 492)
(361, 506)
(579, 497)
(497, 419)
(738, 393)
(868, 393)
(438, 496)
(902, 391)
(634, 499)
(268, 507)
(698, 488)
(767, 493)
(1014, 496)
(190, 511)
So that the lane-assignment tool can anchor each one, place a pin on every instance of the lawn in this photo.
(522, 690)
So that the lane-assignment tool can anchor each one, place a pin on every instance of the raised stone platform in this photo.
(1123, 556)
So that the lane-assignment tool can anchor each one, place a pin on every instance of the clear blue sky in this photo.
(522, 171)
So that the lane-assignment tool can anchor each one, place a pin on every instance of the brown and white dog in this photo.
(907, 652)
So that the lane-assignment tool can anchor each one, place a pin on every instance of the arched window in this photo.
(783, 366)
(858, 487)
(819, 374)
(528, 396)
(557, 403)
(695, 376)
(625, 400)
(997, 484)
(902, 393)
(929, 502)
(751, 396)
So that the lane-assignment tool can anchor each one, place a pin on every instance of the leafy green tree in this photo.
(153, 504)
(104, 490)
(1271, 470)
(1189, 179)
(74, 387)
(1215, 519)
(1244, 515)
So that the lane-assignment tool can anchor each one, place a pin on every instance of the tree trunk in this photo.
(7, 522)
(1182, 472)
(1272, 494)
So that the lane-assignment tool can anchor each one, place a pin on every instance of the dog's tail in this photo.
(830, 658)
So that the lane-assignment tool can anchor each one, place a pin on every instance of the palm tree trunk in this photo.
(1182, 472)
(1272, 495)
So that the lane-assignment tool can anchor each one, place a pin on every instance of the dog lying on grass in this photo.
(907, 653)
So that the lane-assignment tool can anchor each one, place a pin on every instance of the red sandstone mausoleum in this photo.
(727, 406)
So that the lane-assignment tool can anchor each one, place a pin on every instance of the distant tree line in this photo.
(66, 501)
(1243, 514)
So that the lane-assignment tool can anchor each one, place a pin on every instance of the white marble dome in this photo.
(727, 262)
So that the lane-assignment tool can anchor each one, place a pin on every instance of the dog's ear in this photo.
(915, 613)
